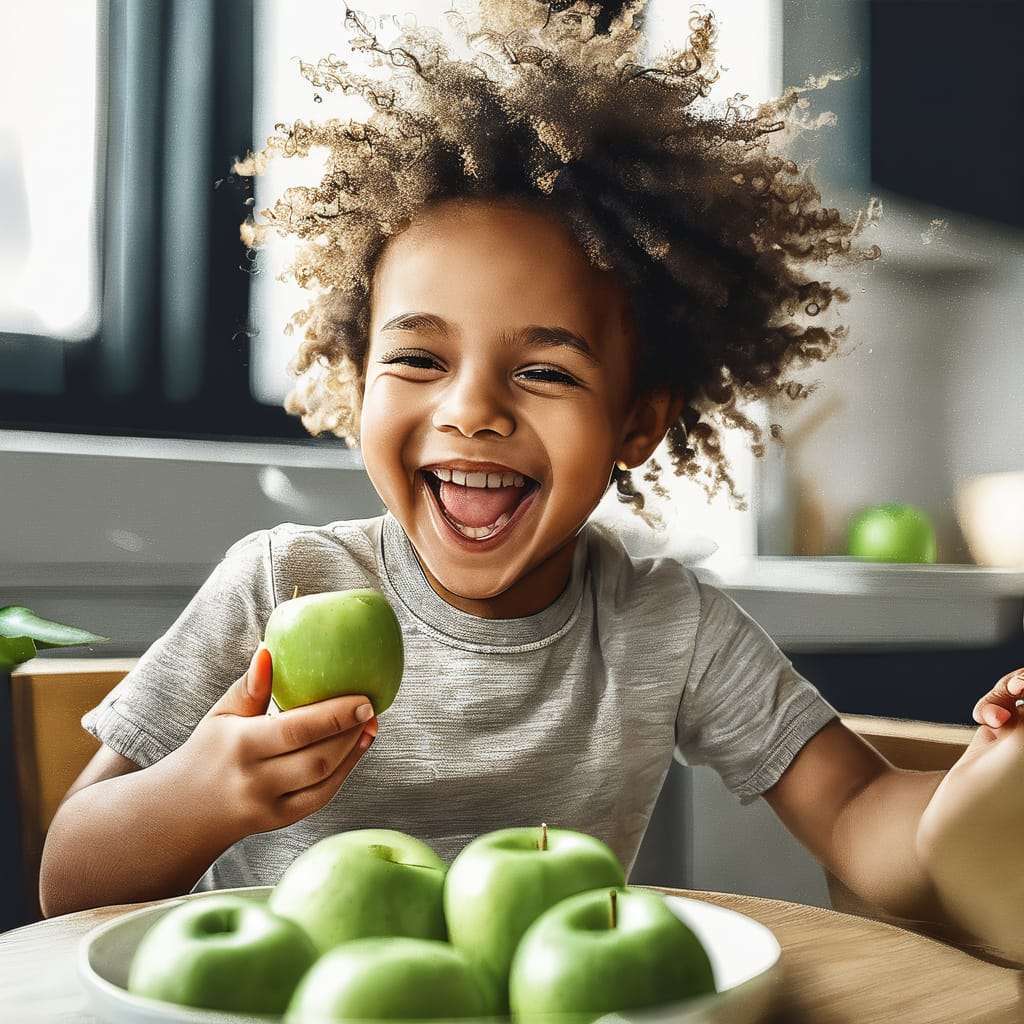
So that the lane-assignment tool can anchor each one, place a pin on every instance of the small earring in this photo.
(622, 467)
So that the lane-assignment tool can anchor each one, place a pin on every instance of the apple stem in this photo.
(295, 592)
(614, 899)
(543, 844)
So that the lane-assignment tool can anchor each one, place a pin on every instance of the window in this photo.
(282, 94)
(50, 148)
(127, 309)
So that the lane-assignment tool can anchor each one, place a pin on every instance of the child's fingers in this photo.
(993, 715)
(998, 706)
(249, 695)
(299, 769)
(303, 802)
(302, 726)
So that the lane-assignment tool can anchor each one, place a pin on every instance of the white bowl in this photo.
(744, 954)
(990, 510)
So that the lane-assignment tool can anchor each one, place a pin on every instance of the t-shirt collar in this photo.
(404, 573)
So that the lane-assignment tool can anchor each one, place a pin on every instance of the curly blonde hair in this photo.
(551, 106)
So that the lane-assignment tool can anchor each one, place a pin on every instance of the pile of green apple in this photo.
(372, 925)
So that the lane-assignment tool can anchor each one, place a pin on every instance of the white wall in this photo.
(747, 849)
(930, 390)
(119, 545)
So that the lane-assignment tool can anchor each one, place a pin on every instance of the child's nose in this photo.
(472, 404)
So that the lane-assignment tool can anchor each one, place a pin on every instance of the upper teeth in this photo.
(456, 476)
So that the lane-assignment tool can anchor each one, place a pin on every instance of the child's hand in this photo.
(971, 833)
(267, 772)
(996, 708)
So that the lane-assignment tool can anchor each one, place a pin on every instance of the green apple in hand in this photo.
(329, 645)
(222, 952)
(361, 884)
(388, 979)
(892, 533)
(603, 951)
(502, 881)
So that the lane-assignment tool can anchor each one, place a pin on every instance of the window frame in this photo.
(117, 381)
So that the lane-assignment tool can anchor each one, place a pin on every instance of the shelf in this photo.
(837, 604)
(839, 575)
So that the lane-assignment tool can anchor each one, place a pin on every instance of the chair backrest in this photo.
(48, 698)
(920, 746)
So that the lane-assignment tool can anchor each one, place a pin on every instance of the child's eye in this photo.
(413, 360)
(540, 373)
(552, 376)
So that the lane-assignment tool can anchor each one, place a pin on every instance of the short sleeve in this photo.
(155, 707)
(745, 710)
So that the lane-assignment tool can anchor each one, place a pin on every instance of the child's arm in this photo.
(125, 835)
(971, 833)
(857, 815)
(940, 849)
(131, 836)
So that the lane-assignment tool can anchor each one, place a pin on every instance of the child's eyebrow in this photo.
(534, 334)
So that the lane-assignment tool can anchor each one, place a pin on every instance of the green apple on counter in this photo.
(604, 951)
(502, 881)
(362, 884)
(892, 533)
(222, 952)
(329, 645)
(388, 979)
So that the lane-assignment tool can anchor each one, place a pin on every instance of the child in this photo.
(535, 264)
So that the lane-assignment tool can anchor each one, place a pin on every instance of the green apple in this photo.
(503, 881)
(604, 951)
(892, 533)
(362, 884)
(328, 645)
(388, 979)
(222, 952)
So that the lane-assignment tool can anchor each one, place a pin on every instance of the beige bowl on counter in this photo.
(990, 510)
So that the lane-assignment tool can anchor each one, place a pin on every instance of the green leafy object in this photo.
(22, 632)
(14, 651)
(16, 621)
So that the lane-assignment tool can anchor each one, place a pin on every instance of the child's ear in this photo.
(647, 424)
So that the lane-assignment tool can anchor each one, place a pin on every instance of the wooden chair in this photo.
(48, 698)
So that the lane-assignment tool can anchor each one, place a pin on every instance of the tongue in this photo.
(478, 506)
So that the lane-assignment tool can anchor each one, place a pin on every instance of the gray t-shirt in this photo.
(570, 716)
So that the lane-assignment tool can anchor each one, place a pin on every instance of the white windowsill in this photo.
(252, 453)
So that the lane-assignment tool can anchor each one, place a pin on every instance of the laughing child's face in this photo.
(493, 340)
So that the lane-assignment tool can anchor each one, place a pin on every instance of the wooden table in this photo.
(838, 969)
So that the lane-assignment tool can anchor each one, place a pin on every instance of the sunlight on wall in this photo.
(749, 44)
(49, 146)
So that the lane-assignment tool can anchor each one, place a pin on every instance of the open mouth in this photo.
(479, 534)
